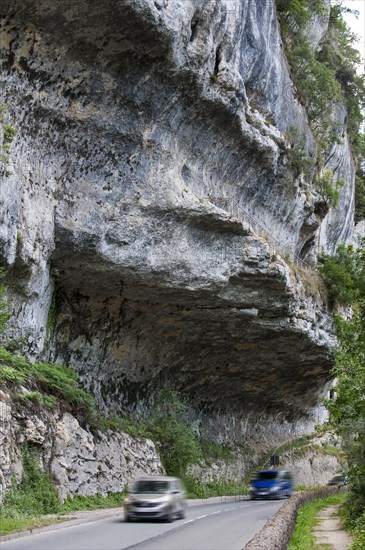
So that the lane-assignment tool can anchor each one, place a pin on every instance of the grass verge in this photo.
(23, 523)
(12, 522)
(302, 537)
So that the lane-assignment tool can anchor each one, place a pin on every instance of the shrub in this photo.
(47, 379)
(62, 381)
(328, 188)
(174, 437)
(7, 134)
(35, 494)
(92, 502)
(47, 401)
(358, 530)
(343, 275)
(9, 375)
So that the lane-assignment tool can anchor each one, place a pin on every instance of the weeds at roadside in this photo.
(196, 489)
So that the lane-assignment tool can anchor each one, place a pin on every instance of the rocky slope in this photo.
(141, 126)
(81, 462)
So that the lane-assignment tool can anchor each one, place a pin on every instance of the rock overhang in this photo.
(231, 332)
(155, 283)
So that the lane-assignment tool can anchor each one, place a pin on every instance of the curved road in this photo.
(208, 526)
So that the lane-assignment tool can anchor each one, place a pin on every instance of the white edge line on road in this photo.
(218, 512)
(200, 517)
(189, 521)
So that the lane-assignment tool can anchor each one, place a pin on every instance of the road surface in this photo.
(208, 526)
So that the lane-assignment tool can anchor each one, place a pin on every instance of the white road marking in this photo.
(200, 517)
(189, 521)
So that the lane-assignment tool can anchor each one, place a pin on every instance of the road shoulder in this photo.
(329, 530)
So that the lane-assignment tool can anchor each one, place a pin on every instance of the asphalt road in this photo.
(207, 526)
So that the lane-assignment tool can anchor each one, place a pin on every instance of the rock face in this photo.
(80, 461)
(84, 462)
(149, 209)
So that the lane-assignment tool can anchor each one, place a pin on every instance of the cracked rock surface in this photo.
(141, 126)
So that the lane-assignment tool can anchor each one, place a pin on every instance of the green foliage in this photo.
(62, 382)
(213, 451)
(302, 537)
(360, 179)
(20, 523)
(35, 494)
(315, 81)
(325, 78)
(357, 527)
(47, 401)
(4, 305)
(345, 275)
(49, 379)
(51, 318)
(174, 436)
(299, 160)
(316, 85)
(296, 14)
(9, 375)
(197, 489)
(328, 187)
(7, 134)
(125, 424)
(338, 53)
(92, 502)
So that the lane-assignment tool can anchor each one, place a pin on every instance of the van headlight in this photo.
(163, 500)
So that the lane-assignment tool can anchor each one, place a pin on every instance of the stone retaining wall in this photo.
(277, 531)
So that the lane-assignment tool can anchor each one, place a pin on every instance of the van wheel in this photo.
(170, 517)
(182, 513)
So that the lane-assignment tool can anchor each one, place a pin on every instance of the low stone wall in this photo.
(277, 531)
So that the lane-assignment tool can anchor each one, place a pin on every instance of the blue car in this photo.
(271, 484)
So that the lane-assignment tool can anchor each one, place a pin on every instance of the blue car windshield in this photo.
(263, 476)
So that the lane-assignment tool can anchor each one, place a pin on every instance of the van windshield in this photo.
(262, 476)
(150, 486)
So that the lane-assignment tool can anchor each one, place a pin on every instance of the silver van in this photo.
(155, 497)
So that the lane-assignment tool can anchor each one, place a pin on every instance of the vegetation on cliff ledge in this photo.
(7, 134)
(325, 78)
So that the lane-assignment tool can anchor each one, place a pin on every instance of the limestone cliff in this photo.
(81, 461)
(152, 204)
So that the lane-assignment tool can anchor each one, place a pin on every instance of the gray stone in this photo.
(141, 126)
(81, 462)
